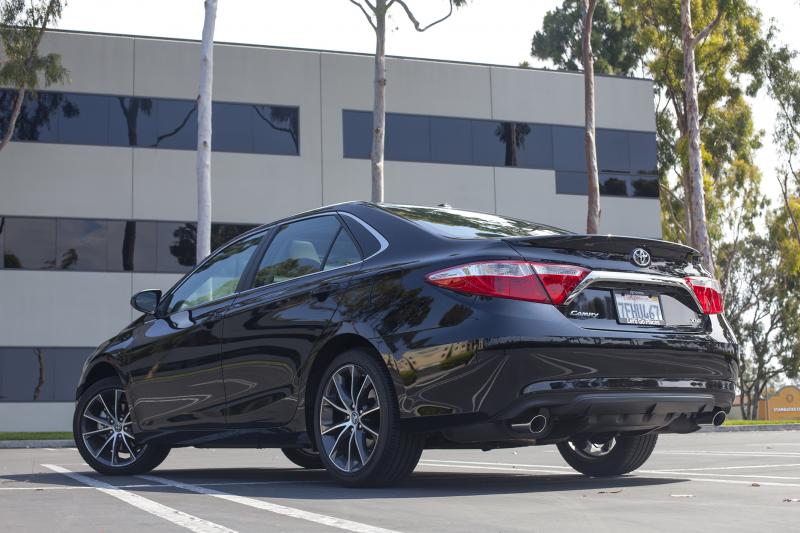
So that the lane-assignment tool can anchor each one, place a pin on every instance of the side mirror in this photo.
(146, 301)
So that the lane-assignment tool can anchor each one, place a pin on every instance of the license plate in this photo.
(638, 308)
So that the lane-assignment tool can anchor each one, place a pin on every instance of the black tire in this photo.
(394, 453)
(304, 457)
(141, 459)
(626, 455)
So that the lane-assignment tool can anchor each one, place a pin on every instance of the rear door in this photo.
(634, 283)
(272, 327)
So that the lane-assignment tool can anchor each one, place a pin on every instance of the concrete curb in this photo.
(759, 427)
(15, 444)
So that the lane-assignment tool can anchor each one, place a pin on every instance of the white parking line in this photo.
(510, 467)
(730, 454)
(179, 518)
(743, 467)
(272, 507)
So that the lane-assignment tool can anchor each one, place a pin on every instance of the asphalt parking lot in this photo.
(708, 481)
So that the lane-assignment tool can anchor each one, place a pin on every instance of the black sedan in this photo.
(357, 335)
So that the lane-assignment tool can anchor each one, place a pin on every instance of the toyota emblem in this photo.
(640, 257)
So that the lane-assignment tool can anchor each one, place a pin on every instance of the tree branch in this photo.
(415, 22)
(366, 15)
(708, 29)
(785, 193)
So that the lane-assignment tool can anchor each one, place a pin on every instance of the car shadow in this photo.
(300, 484)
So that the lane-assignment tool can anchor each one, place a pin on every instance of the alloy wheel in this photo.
(350, 418)
(591, 449)
(106, 429)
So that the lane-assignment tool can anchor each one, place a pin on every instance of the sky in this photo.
(486, 31)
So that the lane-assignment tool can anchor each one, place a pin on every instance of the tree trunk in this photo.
(379, 109)
(204, 132)
(699, 231)
(593, 211)
(40, 381)
(12, 121)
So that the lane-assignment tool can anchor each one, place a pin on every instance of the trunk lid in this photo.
(626, 289)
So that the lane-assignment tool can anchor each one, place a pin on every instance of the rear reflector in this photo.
(708, 292)
(517, 280)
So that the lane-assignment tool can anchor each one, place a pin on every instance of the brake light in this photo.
(517, 280)
(708, 292)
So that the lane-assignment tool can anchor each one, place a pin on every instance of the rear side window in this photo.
(470, 225)
(305, 247)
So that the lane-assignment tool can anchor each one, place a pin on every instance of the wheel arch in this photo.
(98, 370)
(333, 347)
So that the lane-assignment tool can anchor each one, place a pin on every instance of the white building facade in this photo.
(97, 190)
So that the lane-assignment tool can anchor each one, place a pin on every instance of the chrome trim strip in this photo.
(603, 276)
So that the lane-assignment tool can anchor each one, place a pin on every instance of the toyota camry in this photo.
(355, 336)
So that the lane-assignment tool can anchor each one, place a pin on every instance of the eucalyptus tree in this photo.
(204, 132)
(22, 27)
(590, 146)
(375, 12)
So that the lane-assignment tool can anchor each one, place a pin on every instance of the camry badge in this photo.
(640, 257)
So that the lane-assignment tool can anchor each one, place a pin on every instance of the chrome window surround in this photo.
(384, 244)
(596, 277)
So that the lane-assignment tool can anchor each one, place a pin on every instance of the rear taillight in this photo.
(708, 292)
(518, 280)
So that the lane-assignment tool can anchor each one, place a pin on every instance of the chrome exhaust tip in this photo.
(538, 424)
(714, 418)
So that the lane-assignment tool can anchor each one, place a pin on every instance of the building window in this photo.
(40, 374)
(626, 159)
(108, 120)
(104, 245)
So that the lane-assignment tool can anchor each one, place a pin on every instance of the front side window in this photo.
(305, 247)
(217, 277)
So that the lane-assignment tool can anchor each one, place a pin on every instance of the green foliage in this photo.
(613, 41)
(22, 25)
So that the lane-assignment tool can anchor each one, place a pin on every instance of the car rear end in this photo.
(591, 334)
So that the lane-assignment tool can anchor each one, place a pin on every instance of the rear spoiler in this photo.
(609, 244)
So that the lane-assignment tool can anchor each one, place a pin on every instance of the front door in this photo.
(271, 329)
(176, 376)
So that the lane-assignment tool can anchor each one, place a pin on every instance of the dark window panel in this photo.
(232, 127)
(408, 138)
(645, 186)
(536, 147)
(176, 250)
(30, 243)
(84, 119)
(613, 152)
(357, 134)
(487, 148)
(451, 140)
(176, 125)
(613, 185)
(81, 244)
(276, 129)
(571, 182)
(39, 117)
(222, 233)
(568, 152)
(643, 152)
(132, 121)
(40, 374)
(343, 252)
(2, 241)
(139, 248)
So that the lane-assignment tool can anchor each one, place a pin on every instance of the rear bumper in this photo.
(578, 409)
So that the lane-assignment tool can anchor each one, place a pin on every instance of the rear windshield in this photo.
(469, 225)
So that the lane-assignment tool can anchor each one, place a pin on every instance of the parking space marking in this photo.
(264, 505)
(179, 518)
(743, 467)
(684, 476)
(729, 454)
